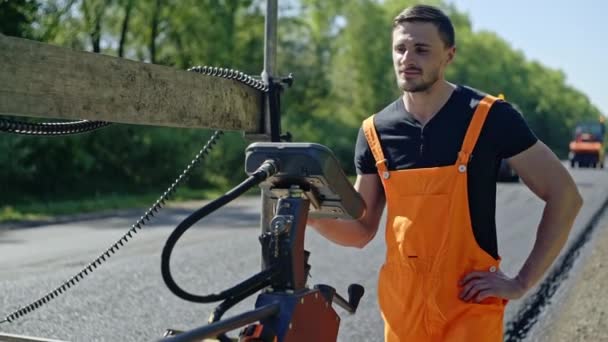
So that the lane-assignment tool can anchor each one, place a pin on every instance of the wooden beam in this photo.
(48, 81)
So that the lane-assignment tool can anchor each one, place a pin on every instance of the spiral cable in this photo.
(120, 242)
(232, 75)
(50, 128)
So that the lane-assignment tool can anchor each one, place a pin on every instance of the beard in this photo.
(420, 85)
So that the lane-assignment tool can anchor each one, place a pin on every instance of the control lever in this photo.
(355, 292)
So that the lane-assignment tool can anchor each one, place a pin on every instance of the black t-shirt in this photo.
(408, 145)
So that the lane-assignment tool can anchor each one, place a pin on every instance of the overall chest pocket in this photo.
(418, 225)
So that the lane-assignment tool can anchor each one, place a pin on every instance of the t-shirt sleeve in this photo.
(364, 159)
(513, 133)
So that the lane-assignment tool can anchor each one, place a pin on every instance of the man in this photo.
(432, 157)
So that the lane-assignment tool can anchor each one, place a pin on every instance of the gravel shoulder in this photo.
(584, 315)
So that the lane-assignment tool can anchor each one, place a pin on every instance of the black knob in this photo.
(355, 292)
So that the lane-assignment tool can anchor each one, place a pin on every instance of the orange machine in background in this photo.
(587, 146)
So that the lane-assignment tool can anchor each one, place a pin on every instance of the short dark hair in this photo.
(429, 14)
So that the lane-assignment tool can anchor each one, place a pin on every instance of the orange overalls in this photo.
(430, 247)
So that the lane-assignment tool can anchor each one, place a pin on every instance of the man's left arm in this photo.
(545, 175)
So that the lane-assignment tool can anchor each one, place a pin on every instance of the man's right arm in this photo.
(356, 233)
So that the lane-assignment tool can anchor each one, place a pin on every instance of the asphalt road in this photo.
(126, 299)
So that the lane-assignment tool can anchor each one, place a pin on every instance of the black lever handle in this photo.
(355, 292)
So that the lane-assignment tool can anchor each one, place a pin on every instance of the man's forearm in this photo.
(350, 233)
(553, 230)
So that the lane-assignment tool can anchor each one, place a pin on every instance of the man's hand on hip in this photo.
(477, 286)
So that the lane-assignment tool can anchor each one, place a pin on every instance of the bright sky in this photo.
(561, 34)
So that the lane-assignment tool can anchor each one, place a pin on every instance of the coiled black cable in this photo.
(231, 74)
(267, 169)
(125, 238)
(50, 128)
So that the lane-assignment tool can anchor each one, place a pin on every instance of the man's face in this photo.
(419, 56)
